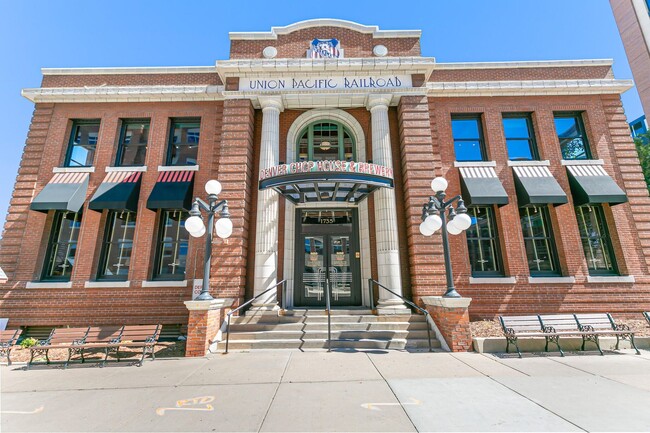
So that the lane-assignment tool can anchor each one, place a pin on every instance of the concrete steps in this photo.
(307, 329)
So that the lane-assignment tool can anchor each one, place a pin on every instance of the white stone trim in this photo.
(441, 301)
(154, 284)
(73, 170)
(529, 87)
(123, 169)
(526, 64)
(493, 280)
(124, 93)
(611, 279)
(568, 162)
(551, 280)
(215, 304)
(328, 67)
(459, 164)
(48, 285)
(129, 70)
(178, 168)
(324, 22)
(544, 163)
(106, 284)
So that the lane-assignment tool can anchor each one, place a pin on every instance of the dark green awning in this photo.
(173, 190)
(119, 191)
(590, 184)
(536, 185)
(481, 186)
(66, 191)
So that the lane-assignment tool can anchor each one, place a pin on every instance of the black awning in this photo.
(536, 185)
(119, 191)
(173, 190)
(590, 184)
(481, 186)
(326, 186)
(66, 191)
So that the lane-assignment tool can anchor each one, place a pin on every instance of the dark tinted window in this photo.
(117, 246)
(82, 145)
(184, 142)
(62, 246)
(483, 242)
(538, 238)
(572, 137)
(132, 148)
(596, 242)
(520, 138)
(172, 246)
(468, 138)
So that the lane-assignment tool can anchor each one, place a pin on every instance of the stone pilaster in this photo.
(266, 242)
(388, 264)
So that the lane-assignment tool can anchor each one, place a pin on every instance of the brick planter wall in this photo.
(451, 316)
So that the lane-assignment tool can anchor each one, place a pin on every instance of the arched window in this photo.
(326, 141)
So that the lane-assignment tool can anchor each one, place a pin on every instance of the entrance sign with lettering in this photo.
(326, 166)
(326, 83)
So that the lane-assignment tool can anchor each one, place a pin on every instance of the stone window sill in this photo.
(582, 162)
(134, 168)
(551, 280)
(529, 163)
(492, 280)
(107, 284)
(178, 168)
(182, 283)
(475, 164)
(611, 279)
(73, 170)
(48, 285)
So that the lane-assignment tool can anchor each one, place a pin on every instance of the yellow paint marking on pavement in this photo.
(375, 406)
(190, 404)
(22, 412)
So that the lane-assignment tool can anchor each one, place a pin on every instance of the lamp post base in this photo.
(451, 293)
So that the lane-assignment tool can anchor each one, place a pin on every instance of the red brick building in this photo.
(325, 136)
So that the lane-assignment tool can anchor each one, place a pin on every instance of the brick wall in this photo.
(192, 79)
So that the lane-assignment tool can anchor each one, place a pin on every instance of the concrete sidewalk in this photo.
(319, 391)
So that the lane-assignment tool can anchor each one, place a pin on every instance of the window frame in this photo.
(546, 221)
(532, 140)
(104, 252)
(76, 123)
(605, 238)
(494, 240)
(578, 115)
(481, 139)
(341, 130)
(170, 138)
(55, 232)
(156, 275)
(120, 144)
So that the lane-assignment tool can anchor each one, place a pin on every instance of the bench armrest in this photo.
(549, 329)
(586, 328)
(509, 332)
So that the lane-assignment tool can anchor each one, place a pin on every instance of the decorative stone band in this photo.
(124, 93)
(65, 191)
(535, 185)
(326, 166)
(590, 184)
(528, 88)
(481, 186)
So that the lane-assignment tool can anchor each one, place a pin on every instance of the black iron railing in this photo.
(328, 307)
(250, 301)
(422, 310)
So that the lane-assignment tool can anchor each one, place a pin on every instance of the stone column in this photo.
(266, 242)
(388, 264)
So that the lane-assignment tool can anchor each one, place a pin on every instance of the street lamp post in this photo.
(223, 227)
(435, 214)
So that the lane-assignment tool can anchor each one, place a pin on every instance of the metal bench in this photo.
(593, 325)
(646, 314)
(8, 340)
(60, 338)
(526, 326)
(145, 336)
(103, 338)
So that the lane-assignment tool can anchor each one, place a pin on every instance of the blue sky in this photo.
(35, 34)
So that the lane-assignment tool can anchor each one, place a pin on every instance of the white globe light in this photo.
(439, 184)
(425, 229)
(213, 187)
(452, 229)
(194, 224)
(433, 222)
(223, 227)
(462, 221)
(199, 233)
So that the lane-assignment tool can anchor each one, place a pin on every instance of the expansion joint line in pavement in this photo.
(589, 372)
(275, 393)
(393, 391)
(517, 392)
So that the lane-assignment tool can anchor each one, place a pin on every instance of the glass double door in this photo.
(328, 257)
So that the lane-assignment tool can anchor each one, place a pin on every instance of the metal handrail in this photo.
(245, 304)
(329, 318)
(422, 310)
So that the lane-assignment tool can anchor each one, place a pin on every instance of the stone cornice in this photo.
(324, 22)
(526, 64)
(124, 93)
(528, 88)
(269, 67)
(130, 70)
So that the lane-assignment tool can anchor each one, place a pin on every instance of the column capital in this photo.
(272, 102)
(378, 101)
